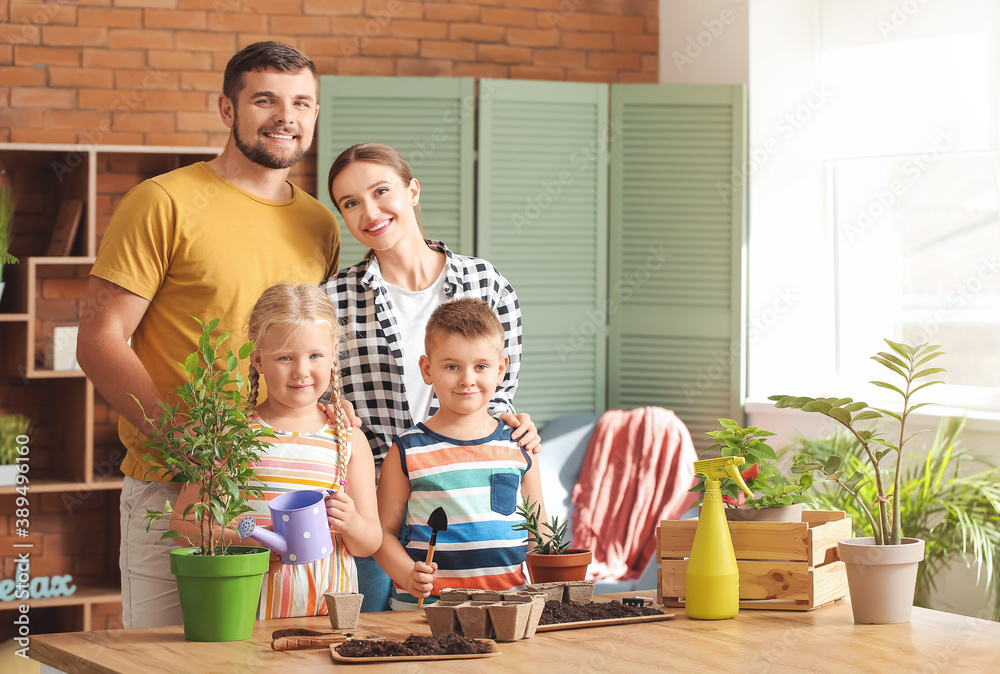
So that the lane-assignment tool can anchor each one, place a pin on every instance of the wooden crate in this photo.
(783, 565)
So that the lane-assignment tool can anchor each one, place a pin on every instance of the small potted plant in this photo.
(7, 204)
(13, 434)
(881, 568)
(776, 498)
(550, 559)
(205, 441)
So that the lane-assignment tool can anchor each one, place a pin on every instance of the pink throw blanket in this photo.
(638, 469)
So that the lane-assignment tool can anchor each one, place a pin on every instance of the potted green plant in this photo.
(881, 568)
(205, 441)
(7, 204)
(13, 434)
(954, 510)
(776, 498)
(551, 559)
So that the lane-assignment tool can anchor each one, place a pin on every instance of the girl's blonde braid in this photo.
(254, 386)
(341, 428)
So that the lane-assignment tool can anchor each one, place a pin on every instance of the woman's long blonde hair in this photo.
(292, 308)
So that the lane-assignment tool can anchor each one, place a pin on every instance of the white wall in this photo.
(704, 41)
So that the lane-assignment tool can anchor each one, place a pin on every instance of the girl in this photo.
(384, 301)
(294, 331)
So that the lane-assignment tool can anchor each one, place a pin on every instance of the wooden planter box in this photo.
(783, 565)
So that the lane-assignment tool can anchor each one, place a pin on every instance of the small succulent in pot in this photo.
(553, 544)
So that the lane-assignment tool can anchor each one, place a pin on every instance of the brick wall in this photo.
(149, 71)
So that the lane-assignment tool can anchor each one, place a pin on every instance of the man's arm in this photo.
(110, 315)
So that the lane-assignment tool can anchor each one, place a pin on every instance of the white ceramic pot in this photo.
(745, 513)
(881, 578)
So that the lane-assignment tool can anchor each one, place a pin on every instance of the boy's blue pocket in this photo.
(503, 492)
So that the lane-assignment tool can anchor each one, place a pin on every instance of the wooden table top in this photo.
(824, 640)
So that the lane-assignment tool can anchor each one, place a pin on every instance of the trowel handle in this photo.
(430, 558)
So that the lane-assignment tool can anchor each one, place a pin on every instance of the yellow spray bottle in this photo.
(713, 580)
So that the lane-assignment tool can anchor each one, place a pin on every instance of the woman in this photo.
(383, 303)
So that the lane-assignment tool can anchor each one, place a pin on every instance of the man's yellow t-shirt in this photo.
(195, 244)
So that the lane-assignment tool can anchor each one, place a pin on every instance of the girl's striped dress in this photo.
(477, 482)
(297, 461)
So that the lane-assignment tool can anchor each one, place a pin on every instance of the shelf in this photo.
(13, 318)
(56, 486)
(82, 597)
(38, 373)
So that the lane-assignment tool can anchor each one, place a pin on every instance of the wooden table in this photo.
(824, 640)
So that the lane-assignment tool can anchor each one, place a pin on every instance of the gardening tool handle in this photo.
(430, 558)
(299, 643)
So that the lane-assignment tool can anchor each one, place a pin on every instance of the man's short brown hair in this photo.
(468, 317)
(259, 56)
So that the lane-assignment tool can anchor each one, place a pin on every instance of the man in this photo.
(205, 241)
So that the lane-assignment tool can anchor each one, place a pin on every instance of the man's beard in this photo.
(258, 153)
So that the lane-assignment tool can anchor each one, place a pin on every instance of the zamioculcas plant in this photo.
(553, 544)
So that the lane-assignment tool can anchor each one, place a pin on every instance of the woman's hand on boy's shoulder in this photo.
(525, 432)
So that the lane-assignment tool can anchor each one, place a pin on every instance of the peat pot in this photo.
(881, 578)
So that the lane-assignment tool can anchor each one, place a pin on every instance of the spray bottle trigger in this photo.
(736, 477)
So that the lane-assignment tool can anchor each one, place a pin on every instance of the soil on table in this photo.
(452, 644)
(571, 612)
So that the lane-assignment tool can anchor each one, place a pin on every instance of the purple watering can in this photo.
(301, 529)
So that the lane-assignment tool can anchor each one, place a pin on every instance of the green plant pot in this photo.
(219, 594)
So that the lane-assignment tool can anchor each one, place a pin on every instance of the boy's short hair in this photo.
(468, 317)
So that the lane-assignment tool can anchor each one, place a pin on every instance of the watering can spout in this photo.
(248, 529)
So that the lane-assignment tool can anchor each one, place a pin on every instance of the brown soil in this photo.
(570, 612)
(452, 644)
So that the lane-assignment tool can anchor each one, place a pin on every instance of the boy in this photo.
(463, 460)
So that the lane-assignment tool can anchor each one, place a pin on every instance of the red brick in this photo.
(356, 26)
(56, 310)
(206, 41)
(475, 33)
(339, 8)
(110, 18)
(509, 17)
(462, 51)
(647, 8)
(6, 54)
(593, 41)
(633, 77)
(26, 55)
(128, 38)
(62, 289)
(622, 24)
(173, 18)
(365, 65)
(143, 121)
(240, 23)
(201, 81)
(536, 73)
(301, 25)
(186, 139)
(199, 121)
(424, 67)
(104, 58)
(145, 80)
(180, 60)
(503, 54)
(569, 20)
(99, 99)
(585, 75)
(159, 4)
(5, 97)
(541, 4)
(600, 6)
(421, 30)
(638, 42)
(613, 60)
(532, 37)
(650, 63)
(452, 13)
(245, 39)
(195, 101)
(42, 97)
(274, 6)
(24, 76)
(72, 36)
(653, 26)
(39, 14)
(20, 33)
(92, 78)
(390, 46)
(325, 64)
(11, 117)
(386, 10)
(560, 58)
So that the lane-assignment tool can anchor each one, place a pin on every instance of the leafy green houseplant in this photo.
(956, 513)
(760, 470)
(12, 427)
(7, 205)
(552, 558)
(883, 469)
(205, 442)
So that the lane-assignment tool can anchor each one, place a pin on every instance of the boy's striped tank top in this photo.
(477, 482)
(295, 461)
